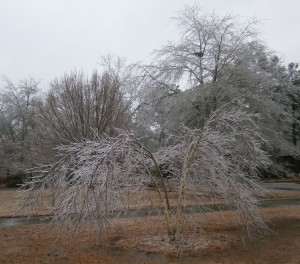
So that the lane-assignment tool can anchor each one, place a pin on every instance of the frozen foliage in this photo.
(216, 61)
(91, 181)
(17, 125)
(209, 44)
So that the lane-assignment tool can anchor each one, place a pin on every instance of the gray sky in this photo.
(44, 39)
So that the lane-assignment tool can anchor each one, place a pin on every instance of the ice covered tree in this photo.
(208, 45)
(216, 61)
(293, 92)
(94, 181)
(17, 124)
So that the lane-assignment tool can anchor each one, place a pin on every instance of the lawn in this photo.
(140, 240)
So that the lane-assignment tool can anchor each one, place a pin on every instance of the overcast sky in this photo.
(44, 39)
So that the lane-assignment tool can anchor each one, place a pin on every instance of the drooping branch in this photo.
(89, 180)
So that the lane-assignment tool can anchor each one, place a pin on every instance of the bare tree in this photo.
(92, 179)
(77, 107)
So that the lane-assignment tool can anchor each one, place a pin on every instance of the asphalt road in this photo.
(281, 185)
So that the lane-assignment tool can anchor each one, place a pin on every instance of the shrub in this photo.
(15, 180)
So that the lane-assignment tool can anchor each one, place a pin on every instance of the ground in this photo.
(138, 240)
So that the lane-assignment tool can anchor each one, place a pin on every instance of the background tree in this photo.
(208, 44)
(294, 95)
(79, 107)
(17, 124)
(216, 62)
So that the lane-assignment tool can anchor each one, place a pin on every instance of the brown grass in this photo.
(139, 240)
(219, 241)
